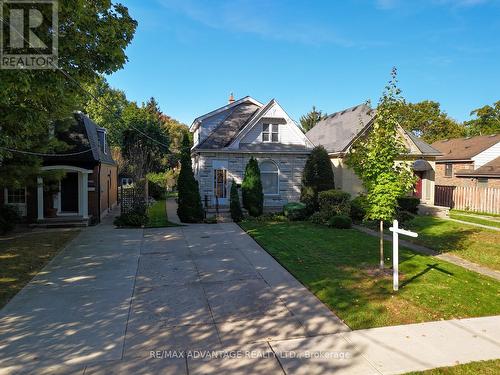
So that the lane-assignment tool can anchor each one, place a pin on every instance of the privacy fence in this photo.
(478, 199)
(131, 198)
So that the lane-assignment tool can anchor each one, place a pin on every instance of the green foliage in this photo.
(295, 211)
(309, 120)
(358, 208)
(210, 220)
(335, 202)
(92, 41)
(316, 177)
(373, 158)
(404, 217)
(320, 217)
(427, 121)
(8, 218)
(131, 219)
(234, 204)
(409, 204)
(253, 198)
(340, 222)
(487, 120)
(189, 209)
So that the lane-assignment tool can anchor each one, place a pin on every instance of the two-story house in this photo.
(471, 161)
(226, 138)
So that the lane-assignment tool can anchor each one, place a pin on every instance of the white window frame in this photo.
(277, 172)
(22, 207)
(272, 129)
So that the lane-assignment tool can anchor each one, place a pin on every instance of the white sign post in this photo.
(395, 251)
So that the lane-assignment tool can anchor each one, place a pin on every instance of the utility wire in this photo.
(78, 84)
(42, 154)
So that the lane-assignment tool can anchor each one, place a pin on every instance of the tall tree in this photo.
(316, 177)
(92, 40)
(487, 120)
(251, 189)
(426, 120)
(309, 120)
(189, 209)
(144, 143)
(375, 157)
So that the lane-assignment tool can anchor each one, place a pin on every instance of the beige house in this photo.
(340, 130)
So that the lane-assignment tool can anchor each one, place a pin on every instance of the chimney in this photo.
(231, 98)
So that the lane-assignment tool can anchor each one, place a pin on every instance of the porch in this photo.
(67, 201)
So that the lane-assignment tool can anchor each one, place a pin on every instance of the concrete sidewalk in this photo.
(203, 299)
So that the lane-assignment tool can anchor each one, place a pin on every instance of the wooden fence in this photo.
(478, 199)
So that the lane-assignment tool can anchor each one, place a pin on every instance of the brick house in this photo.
(469, 162)
(225, 139)
(88, 189)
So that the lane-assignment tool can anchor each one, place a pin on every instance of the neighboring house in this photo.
(340, 130)
(469, 162)
(88, 189)
(226, 138)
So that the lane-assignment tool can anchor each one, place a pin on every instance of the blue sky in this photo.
(333, 54)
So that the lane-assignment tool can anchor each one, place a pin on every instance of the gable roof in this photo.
(491, 169)
(338, 131)
(229, 128)
(465, 148)
(223, 111)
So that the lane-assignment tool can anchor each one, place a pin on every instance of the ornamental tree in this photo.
(234, 204)
(378, 160)
(189, 209)
(253, 198)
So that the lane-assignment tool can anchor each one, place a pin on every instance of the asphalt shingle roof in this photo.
(465, 148)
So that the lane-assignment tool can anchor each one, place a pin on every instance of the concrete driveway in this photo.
(204, 299)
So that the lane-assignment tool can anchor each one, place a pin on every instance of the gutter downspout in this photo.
(99, 192)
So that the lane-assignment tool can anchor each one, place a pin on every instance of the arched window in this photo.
(269, 175)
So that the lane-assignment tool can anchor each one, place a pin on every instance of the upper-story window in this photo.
(101, 134)
(270, 133)
(448, 169)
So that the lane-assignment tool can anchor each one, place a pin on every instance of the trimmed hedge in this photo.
(295, 211)
(340, 222)
(337, 202)
(358, 208)
(409, 204)
(320, 217)
(234, 204)
(8, 218)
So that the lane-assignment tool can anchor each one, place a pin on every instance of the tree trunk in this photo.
(381, 244)
(146, 190)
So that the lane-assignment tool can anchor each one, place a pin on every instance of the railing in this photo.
(478, 199)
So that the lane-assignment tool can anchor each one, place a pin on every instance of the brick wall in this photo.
(441, 179)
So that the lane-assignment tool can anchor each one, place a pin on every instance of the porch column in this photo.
(85, 195)
(39, 196)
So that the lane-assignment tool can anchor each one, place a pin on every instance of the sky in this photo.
(190, 55)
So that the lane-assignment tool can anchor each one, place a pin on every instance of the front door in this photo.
(418, 185)
(69, 193)
(220, 186)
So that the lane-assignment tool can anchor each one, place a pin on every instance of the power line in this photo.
(42, 154)
(64, 73)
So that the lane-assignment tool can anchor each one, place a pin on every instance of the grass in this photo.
(157, 215)
(474, 368)
(478, 245)
(339, 267)
(475, 213)
(475, 219)
(21, 258)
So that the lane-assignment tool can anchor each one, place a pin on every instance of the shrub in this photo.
(189, 207)
(131, 219)
(234, 204)
(253, 198)
(409, 204)
(295, 211)
(210, 220)
(316, 177)
(340, 222)
(358, 208)
(8, 218)
(320, 217)
(403, 217)
(337, 202)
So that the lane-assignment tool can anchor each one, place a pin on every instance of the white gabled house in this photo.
(226, 138)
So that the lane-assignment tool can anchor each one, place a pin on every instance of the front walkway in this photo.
(153, 302)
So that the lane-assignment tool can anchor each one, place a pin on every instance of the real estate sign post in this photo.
(395, 251)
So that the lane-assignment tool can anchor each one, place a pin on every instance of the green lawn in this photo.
(339, 266)
(23, 257)
(157, 215)
(478, 245)
(473, 368)
(475, 219)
